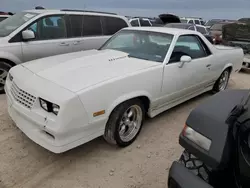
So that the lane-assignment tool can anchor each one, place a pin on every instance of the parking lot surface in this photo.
(143, 164)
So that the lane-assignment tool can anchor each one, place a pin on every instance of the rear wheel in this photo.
(195, 165)
(222, 82)
(125, 123)
(4, 69)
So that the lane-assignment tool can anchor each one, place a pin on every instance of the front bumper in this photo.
(69, 129)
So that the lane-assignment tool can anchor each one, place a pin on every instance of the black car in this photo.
(216, 138)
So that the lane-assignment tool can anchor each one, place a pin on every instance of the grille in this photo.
(22, 96)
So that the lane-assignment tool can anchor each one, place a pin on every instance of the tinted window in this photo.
(51, 27)
(201, 30)
(92, 25)
(191, 21)
(145, 22)
(146, 45)
(112, 24)
(134, 23)
(187, 45)
(191, 28)
(76, 22)
(197, 22)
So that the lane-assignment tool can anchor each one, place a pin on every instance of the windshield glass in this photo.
(217, 27)
(211, 22)
(147, 45)
(12, 23)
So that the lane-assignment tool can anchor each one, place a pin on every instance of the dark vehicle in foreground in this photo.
(238, 35)
(216, 139)
(193, 27)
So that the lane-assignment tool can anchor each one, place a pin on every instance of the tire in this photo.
(195, 165)
(4, 69)
(119, 119)
(217, 86)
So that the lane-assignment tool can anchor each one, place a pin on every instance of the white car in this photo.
(64, 101)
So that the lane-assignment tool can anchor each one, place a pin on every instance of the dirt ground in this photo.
(144, 164)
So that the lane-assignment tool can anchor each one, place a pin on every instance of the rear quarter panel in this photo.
(230, 57)
(107, 95)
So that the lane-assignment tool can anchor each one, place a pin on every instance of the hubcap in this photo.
(3, 76)
(223, 81)
(130, 123)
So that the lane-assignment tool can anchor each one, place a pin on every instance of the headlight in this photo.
(197, 138)
(49, 106)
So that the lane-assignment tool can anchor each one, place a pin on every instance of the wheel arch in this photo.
(9, 58)
(143, 96)
(7, 61)
(228, 66)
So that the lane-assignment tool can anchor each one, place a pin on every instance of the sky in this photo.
(208, 9)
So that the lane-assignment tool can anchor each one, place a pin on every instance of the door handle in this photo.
(64, 44)
(208, 65)
(76, 42)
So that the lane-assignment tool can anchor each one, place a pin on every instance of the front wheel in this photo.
(222, 82)
(125, 123)
(4, 69)
(195, 165)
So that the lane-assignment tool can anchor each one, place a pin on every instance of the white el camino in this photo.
(64, 101)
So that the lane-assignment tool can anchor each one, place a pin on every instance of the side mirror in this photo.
(28, 35)
(184, 59)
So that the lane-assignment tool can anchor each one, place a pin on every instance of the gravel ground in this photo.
(144, 164)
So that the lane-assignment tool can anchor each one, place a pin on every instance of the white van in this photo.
(34, 34)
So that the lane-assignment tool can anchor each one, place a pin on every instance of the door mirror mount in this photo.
(28, 35)
(184, 59)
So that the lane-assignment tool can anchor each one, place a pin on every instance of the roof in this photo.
(173, 31)
(42, 11)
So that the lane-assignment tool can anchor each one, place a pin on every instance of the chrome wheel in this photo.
(3, 76)
(223, 81)
(130, 123)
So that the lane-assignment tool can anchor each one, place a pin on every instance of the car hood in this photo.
(77, 71)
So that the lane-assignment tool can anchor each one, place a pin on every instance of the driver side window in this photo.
(187, 45)
(48, 28)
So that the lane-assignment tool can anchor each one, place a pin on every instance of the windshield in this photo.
(152, 46)
(210, 23)
(217, 27)
(9, 25)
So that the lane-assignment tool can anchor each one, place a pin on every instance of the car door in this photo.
(50, 38)
(182, 82)
(91, 35)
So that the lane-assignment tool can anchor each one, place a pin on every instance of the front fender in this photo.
(9, 56)
(227, 66)
(126, 97)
